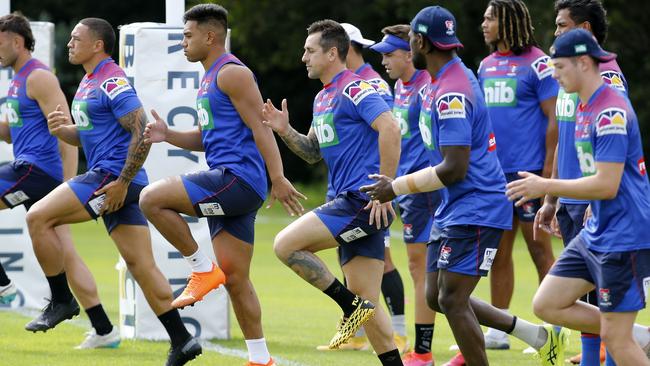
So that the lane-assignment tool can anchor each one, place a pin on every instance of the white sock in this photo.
(361, 332)
(534, 335)
(399, 324)
(199, 262)
(641, 335)
(257, 351)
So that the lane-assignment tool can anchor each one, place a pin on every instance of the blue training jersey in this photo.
(607, 130)
(103, 97)
(565, 112)
(343, 114)
(406, 110)
(369, 74)
(460, 118)
(227, 140)
(513, 87)
(30, 137)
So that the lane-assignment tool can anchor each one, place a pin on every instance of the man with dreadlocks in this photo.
(520, 95)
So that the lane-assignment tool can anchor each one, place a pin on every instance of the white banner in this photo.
(153, 60)
(16, 252)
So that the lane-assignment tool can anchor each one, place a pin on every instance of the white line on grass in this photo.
(207, 345)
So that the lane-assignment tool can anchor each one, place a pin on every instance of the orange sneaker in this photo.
(417, 359)
(578, 358)
(457, 360)
(270, 363)
(199, 285)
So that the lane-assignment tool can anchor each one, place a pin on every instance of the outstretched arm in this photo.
(239, 84)
(278, 120)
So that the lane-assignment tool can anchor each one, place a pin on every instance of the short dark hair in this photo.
(332, 35)
(213, 14)
(102, 30)
(398, 30)
(515, 25)
(18, 24)
(591, 11)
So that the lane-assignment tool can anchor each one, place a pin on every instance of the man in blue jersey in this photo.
(473, 212)
(567, 218)
(41, 164)
(612, 252)
(229, 107)
(392, 287)
(416, 210)
(109, 125)
(354, 132)
(520, 95)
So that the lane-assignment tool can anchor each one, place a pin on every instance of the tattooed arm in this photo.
(135, 123)
(304, 146)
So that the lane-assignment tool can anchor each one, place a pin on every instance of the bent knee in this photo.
(281, 246)
(148, 199)
(542, 308)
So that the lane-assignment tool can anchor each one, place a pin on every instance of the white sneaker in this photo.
(110, 340)
(7, 293)
(495, 339)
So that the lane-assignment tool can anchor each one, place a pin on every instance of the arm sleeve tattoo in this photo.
(135, 123)
(304, 146)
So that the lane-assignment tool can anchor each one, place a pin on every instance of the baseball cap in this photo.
(439, 25)
(355, 35)
(578, 42)
(390, 43)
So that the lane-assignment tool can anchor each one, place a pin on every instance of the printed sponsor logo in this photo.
(449, 24)
(565, 107)
(611, 121)
(401, 115)
(543, 67)
(641, 164)
(211, 209)
(488, 259)
(352, 235)
(492, 142)
(605, 297)
(204, 114)
(500, 92)
(325, 129)
(12, 113)
(113, 87)
(580, 48)
(358, 90)
(80, 115)
(97, 203)
(380, 86)
(614, 79)
(451, 105)
(16, 198)
(423, 28)
(445, 253)
(586, 157)
(424, 123)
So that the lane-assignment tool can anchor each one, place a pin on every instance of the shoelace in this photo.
(192, 283)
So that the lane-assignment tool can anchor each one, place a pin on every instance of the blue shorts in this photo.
(85, 186)
(23, 183)
(528, 210)
(347, 220)
(619, 277)
(570, 218)
(226, 200)
(464, 249)
(417, 212)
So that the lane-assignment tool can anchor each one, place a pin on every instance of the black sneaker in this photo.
(184, 353)
(53, 314)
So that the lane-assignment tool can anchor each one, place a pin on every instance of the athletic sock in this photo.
(59, 288)
(257, 351)
(641, 335)
(590, 349)
(174, 326)
(392, 288)
(399, 324)
(339, 293)
(496, 333)
(199, 262)
(99, 320)
(609, 360)
(4, 280)
(390, 358)
(423, 337)
(534, 335)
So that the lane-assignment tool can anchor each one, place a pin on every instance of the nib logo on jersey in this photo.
(614, 79)
(565, 108)
(611, 121)
(500, 92)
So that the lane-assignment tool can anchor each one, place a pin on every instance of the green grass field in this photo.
(296, 316)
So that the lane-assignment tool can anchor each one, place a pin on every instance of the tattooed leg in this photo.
(310, 268)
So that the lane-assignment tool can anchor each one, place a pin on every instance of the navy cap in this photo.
(439, 25)
(390, 43)
(578, 42)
